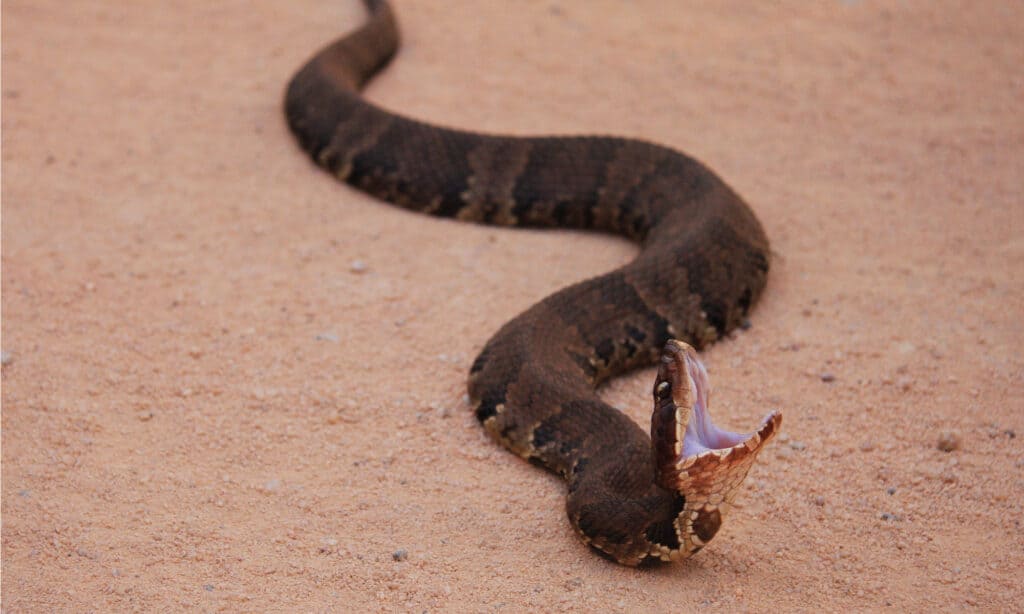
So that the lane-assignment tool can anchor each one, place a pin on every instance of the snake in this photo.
(702, 264)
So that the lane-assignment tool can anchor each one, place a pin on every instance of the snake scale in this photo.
(703, 263)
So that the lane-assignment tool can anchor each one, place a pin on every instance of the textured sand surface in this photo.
(232, 383)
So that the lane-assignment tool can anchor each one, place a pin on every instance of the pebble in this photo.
(867, 446)
(6, 358)
(889, 516)
(948, 441)
(906, 347)
(827, 377)
(327, 336)
(995, 431)
(358, 266)
(400, 555)
(819, 500)
(891, 490)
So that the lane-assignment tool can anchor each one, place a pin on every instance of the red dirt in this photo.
(205, 405)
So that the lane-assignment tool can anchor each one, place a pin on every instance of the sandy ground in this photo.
(231, 383)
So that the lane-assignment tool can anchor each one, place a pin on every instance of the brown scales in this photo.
(703, 263)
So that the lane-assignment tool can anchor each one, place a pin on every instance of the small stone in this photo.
(891, 490)
(328, 336)
(948, 441)
(208, 588)
(867, 446)
(819, 500)
(145, 416)
(827, 377)
(272, 485)
(399, 555)
(6, 358)
(797, 445)
(890, 517)
(358, 266)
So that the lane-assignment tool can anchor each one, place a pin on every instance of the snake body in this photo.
(703, 263)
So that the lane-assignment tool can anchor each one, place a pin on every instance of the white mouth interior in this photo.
(702, 435)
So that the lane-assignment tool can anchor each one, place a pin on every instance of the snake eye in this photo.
(663, 390)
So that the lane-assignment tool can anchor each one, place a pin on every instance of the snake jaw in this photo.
(693, 456)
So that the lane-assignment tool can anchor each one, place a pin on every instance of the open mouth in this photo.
(702, 434)
(705, 464)
(690, 449)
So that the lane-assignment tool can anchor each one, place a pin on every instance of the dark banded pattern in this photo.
(703, 264)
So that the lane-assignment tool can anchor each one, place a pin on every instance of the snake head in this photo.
(694, 457)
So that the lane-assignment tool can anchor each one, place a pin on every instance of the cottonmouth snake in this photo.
(703, 263)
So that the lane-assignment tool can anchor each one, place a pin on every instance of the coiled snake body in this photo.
(703, 263)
